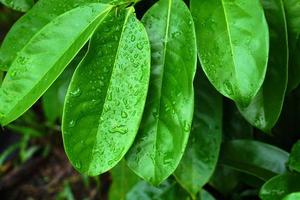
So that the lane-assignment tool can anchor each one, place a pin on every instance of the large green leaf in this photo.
(167, 119)
(280, 186)
(33, 21)
(201, 154)
(292, 10)
(52, 48)
(259, 159)
(294, 159)
(264, 110)
(19, 5)
(123, 180)
(107, 94)
(232, 52)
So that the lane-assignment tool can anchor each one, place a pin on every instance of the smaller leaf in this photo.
(54, 98)
(294, 159)
(19, 5)
(168, 190)
(256, 158)
(292, 10)
(265, 108)
(292, 196)
(202, 152)
(279, 186)
(123, 180)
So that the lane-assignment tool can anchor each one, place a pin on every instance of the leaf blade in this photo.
(106, 97)
(201, 155)
(230, 27)
(167, 118)
(53, 48)
(264, 110)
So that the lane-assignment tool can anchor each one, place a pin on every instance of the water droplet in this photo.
(124, 114)
(76, 93)
(72, 123)
(187, 126)
(132, 38)
(139, 46)
(78, 165)
(119, 129)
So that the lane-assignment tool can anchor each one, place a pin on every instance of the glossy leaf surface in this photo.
(255, 158)
(19, 5)
(280, 186)
(167, 118)
(264, 110)
(292, 10)
(232, 53)
(201, 154)
(106, 97)
(123, 180)
(294, 159)
(53, 48)
(32, 22)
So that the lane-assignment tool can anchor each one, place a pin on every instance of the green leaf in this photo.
(225, 179)
(292, 10)
(106, 97)
(294, 159)
(232, 53)
(293, 196)
(264, 110)
(206, 196)
(31, 23)
(168, 190)
(201, 154)
(54, 98)
(19, 5)
(53, 48)
(123, 180)
(256, 158)
(235, 126)
(167, 119)
(280, 186)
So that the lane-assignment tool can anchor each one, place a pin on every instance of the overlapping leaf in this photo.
(168, 190)
(259, 159)
(106, 97)
(44, 58)
(19, 5)
(32, 22)
(292, 10)
(233, 53)
(280, 186)
(294, 159)
(202, 151)
(123, 180)
(167, 119)
(264, 110)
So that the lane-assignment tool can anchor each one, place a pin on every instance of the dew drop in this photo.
(76, 93)
(124, 114)
(72, 123)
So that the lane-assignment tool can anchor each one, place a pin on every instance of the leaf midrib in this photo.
(230, 40)
(163, 69)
